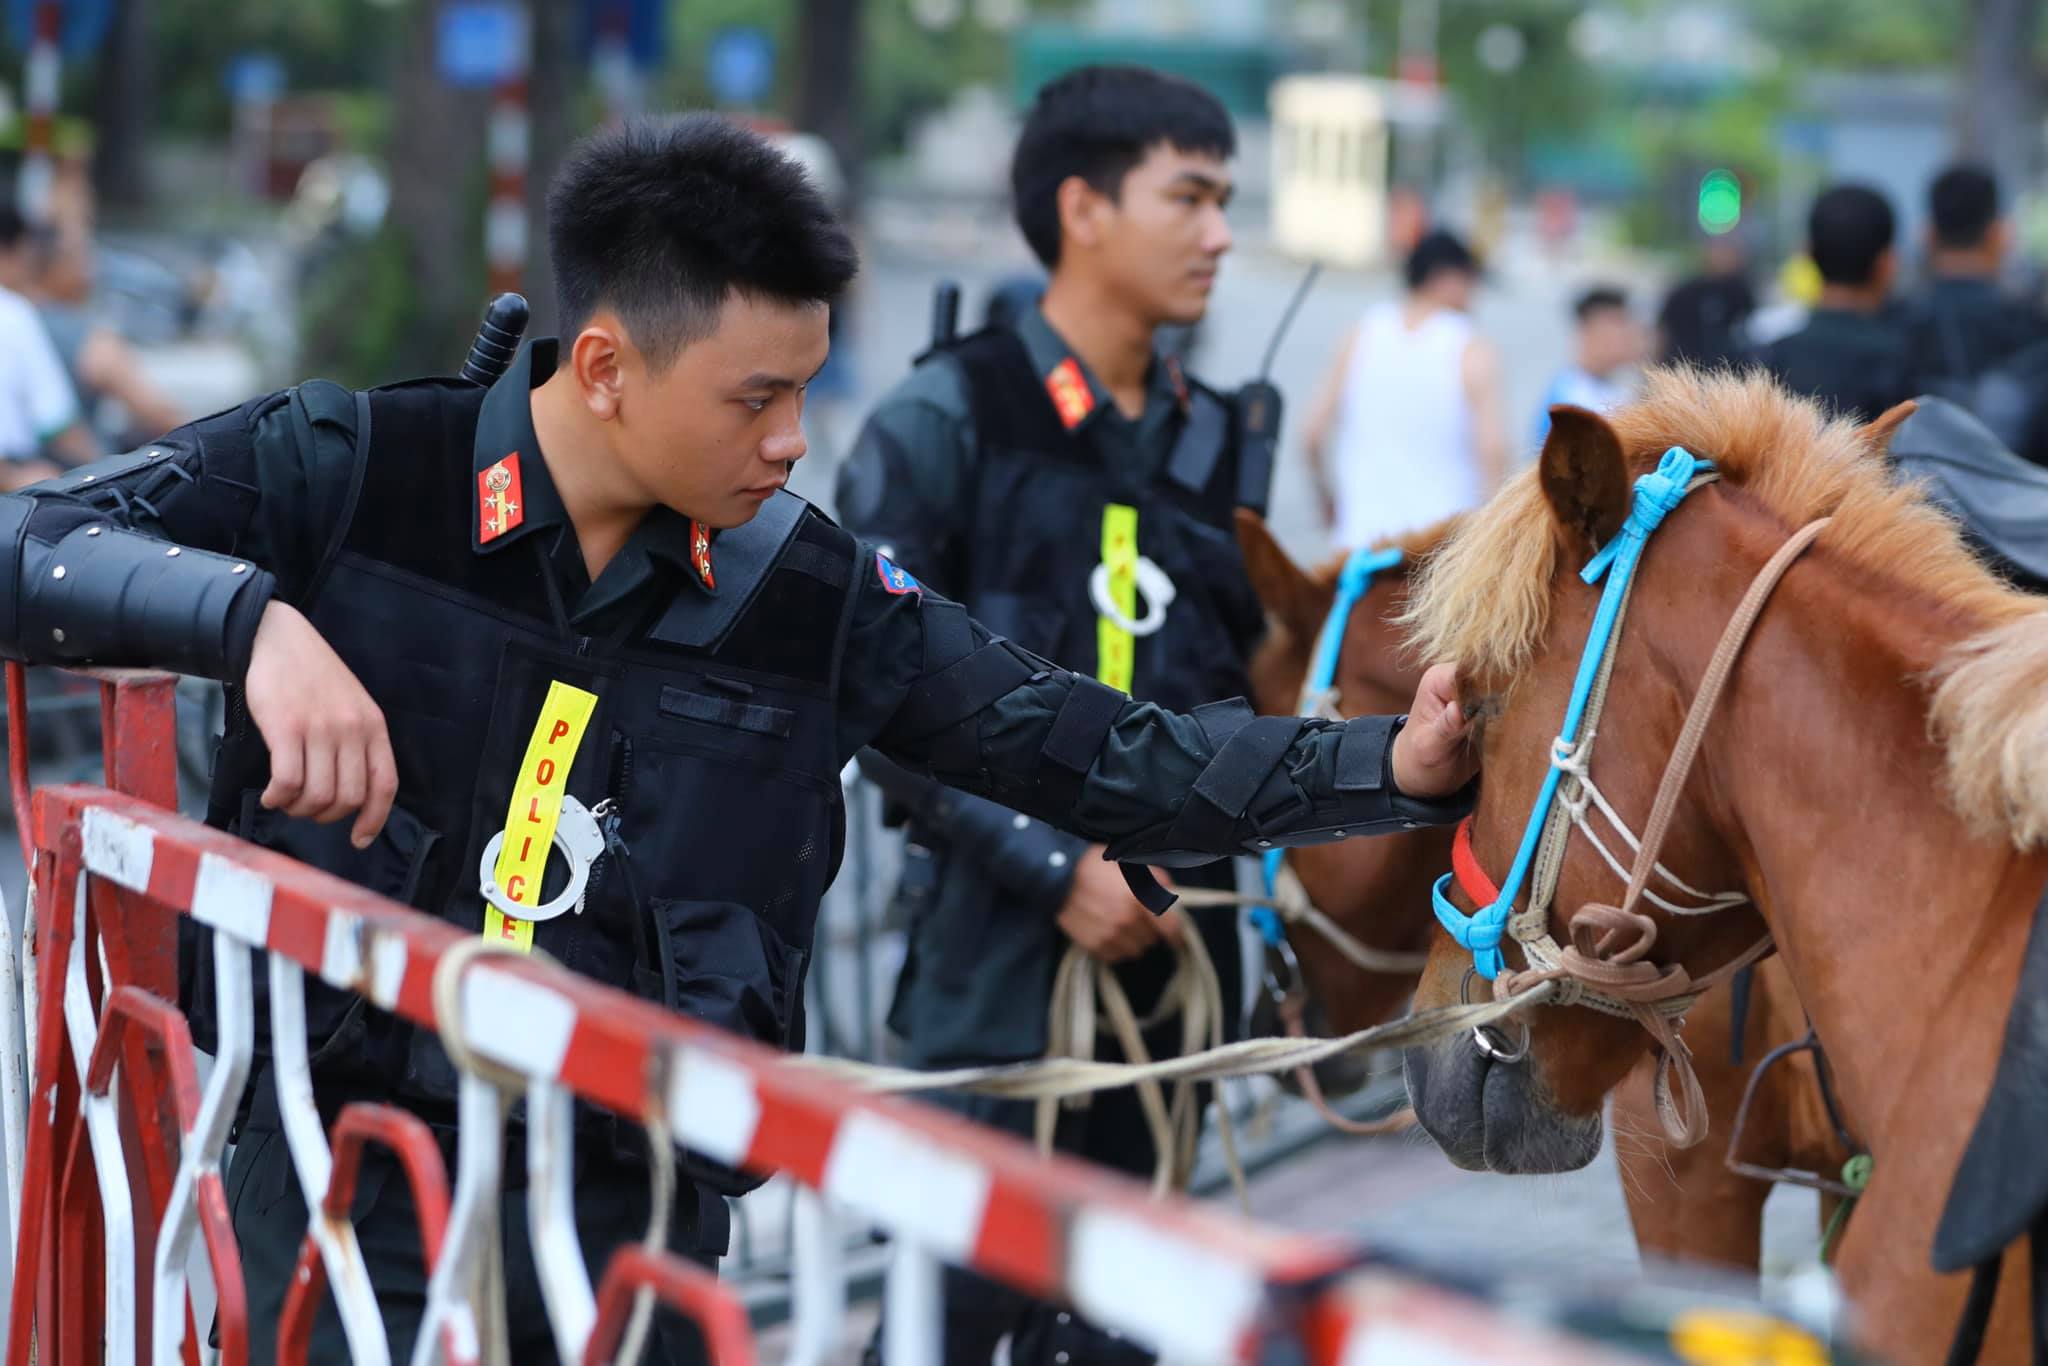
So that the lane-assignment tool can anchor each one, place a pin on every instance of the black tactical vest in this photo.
(1035, 533)
(715, 735)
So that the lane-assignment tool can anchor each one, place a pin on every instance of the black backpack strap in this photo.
(348, 503)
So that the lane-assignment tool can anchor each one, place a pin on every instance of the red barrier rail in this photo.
(109, 1191)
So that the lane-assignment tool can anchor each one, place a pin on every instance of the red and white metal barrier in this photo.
(42, 81)
(123, 1147)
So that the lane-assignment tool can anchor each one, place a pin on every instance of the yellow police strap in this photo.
(1115, 650)
(536, 806)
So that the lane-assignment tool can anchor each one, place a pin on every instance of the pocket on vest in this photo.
(390, 867)
(718, 962)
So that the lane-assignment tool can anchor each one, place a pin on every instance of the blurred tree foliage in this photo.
(324, 45)
(1551, 93)
(909, 70)
(1859, 33)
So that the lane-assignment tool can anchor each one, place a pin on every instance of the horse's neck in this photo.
(1903, 932)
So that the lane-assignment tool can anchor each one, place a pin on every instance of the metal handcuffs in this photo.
(580, 839)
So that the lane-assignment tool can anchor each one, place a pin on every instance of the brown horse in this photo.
(1875, 781)
(1685, 1204)
(1377, 889)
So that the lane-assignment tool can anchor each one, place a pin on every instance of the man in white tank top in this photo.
(1407, 428)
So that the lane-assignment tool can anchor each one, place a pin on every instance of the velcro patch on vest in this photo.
(1071, 396)
(500, 502)
(895, 578)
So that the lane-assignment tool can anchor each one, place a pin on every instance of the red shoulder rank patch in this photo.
(700, 553)
(1180, 382)
(895, 578)
(1070, 393)
(500, 503)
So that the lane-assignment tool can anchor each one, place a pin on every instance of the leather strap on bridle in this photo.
(1610, 945)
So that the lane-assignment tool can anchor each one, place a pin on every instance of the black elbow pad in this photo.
(101, 594)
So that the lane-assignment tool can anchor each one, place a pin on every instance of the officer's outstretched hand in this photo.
(1431, 757)
(329, 751)
(1103, 917)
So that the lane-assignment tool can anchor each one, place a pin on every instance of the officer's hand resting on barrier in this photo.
(329, 751)
(1431, 757)
(1103, 917)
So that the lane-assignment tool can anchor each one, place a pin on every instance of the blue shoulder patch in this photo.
(895, 577)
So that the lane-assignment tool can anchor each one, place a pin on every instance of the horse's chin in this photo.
(1493, 1116)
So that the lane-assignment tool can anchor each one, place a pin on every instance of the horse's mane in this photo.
(1484, 598)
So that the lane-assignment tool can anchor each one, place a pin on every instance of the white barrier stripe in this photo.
(230, 897)
(387, 970)
(505, 232)
(341, 951)
(914, 1187)
(14, 1085)
(472, 1219)
(348, 1278)
(103, 1132)
(521, 1024)
(712, 1105)
(1194, 1305)
(551, 1217)
(913, 1299)
(1381, 1343)
(508, 137)
(817, 1280)
(117, 848)
(199, 1154)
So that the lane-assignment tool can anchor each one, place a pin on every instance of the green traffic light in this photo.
(1720, 202)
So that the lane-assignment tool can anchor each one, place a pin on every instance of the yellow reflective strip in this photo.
(1115, 651)
(537, 806)
(505, 929)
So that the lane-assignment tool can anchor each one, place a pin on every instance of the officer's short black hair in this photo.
(660, 221)
(1963, 202)
(1849, 228)
(1097, 122)
(1437, 251)
(1600, 299)
(13, 227)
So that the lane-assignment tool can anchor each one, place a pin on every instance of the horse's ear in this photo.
(1878, 435)
(1584, 477)
(1288, 595)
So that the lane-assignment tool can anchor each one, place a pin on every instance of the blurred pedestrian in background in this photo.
(1703, 317)
(1408, 426)
(1970, 341)
(1849, 355)
(55, 275)
(1607, 343)
(41, 427)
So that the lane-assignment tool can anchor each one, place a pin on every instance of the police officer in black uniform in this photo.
(401, 588)
(1073, 489)
(1851, 355)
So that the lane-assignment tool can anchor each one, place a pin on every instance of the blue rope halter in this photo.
(1656, 494)
(1354, 581)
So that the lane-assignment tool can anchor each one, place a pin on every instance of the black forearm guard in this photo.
(1281, 781)
(86, 590)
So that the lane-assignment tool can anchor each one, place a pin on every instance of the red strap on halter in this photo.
(1472, 879)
